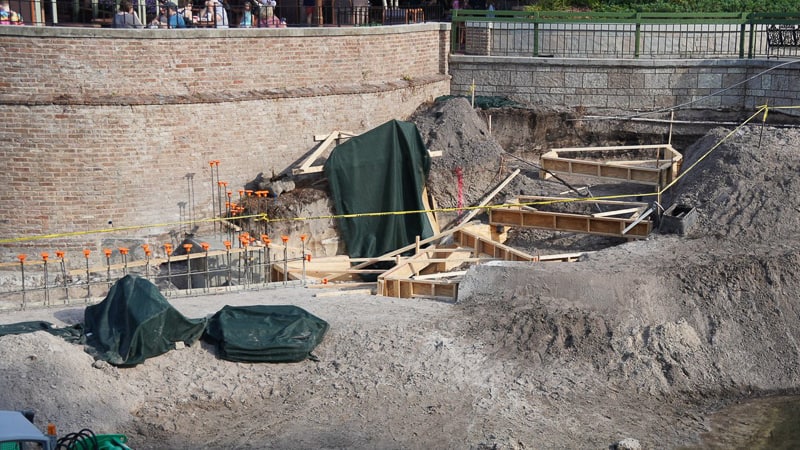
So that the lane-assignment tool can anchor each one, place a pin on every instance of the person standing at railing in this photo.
(210, 15)
(168, 17)
(309, 6)
(213, 15)
(126, 17)
(267, 10)
(7, 16)
(247, 16)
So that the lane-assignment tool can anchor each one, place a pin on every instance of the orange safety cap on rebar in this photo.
(22, 257)
(146, 247)
(227, 244)
(188, 247)
(59, 254)
(123, 251)
(107, 252)
(285, 238)
(86, 253)
(205, 245)
(303, 237)
(45, 256)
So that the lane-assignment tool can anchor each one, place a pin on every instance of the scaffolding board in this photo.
(654, 165)
(522, 212)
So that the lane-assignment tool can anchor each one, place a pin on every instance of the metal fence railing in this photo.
(99, 13)
(625, 35)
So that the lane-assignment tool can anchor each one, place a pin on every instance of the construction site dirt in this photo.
(639, 342)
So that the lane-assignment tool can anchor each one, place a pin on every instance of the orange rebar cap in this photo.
(45, 256)
(107, 252)
(227, 244)
(187, 247)
(285, 238)
(123, 250)
(205, 245)
(86, 253)
(59, 254)
(22, 257)
(303, 237)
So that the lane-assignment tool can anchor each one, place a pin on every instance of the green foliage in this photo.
(678, 6)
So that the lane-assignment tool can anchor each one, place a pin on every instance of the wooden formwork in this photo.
(655, 165)
(429, 272)
(618, 217)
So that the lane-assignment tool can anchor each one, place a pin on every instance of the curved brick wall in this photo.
(104, 125)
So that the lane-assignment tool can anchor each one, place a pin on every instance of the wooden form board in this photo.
(658, 168)
(425, 274)
(337, 137)
(397, 282)
(525, 216)
(307, 164)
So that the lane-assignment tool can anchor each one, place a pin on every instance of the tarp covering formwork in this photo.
(265, 333)
(382, 170)
(135, 322)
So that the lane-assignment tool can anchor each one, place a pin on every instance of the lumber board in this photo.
(580, 223)
(407, 248)
(342, 292)
(483, 246)
(308, 162)
(664, 170)
(474, 212)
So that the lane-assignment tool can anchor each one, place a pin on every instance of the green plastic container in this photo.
(104, 442)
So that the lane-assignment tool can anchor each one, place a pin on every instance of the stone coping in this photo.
(193, 33)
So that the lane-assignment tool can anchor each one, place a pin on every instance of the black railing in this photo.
(100, 13)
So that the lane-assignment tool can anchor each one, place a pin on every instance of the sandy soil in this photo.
(642, 339)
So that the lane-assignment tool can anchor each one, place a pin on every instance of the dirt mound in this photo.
(744, 183)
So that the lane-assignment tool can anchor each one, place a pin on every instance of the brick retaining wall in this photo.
(104, 125)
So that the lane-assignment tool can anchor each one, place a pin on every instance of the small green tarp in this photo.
(382, 170)
(135, 322)
(265, 333)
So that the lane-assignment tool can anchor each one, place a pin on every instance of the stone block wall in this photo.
(630, 85)
(119, 126)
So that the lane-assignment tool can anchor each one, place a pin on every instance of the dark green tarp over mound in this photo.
(265, 333)
(381, 170)
(135, 322)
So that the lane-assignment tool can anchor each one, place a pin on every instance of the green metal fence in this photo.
(625, 35)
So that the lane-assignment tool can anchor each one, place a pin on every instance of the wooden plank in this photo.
(428, 211)
(344, 292)
(343, 135)
(561, 161)
(474, 212)
(408, 247)
(436, 276)
(557, 221)
(485, 246)
(316, 153)
(617, 212)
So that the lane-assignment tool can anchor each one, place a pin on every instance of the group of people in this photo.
(8, 16)
(212, 15)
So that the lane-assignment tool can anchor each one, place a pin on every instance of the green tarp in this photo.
(135, 322)
(382, 170)
(265, 333)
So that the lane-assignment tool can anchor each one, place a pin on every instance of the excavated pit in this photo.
(643, 339)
